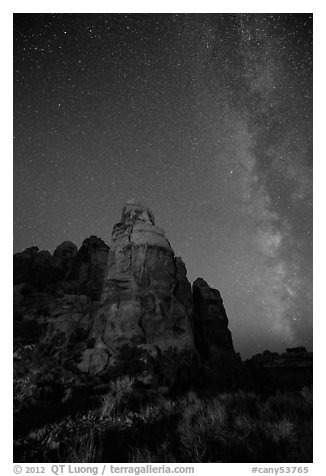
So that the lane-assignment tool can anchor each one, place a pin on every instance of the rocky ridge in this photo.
(95, 308)
(109, 340)
(102, 310)
(291, 369)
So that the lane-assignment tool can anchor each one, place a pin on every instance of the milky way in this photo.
(206, 118)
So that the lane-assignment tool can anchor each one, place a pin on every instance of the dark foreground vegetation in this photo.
(126, 424)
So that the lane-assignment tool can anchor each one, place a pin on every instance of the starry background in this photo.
(206, 118)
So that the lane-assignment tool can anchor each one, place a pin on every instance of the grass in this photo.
(228, 427)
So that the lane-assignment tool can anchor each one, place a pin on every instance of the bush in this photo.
(229, 427)
(117, 400)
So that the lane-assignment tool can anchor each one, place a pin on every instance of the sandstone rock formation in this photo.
(23, 264)
(90, 266)
(63, 257)
(211, 322)
(131, 302)
(72, 271)
(140, 303)
(36, 268)
(55, 296)
(88, 321)
(289, 370)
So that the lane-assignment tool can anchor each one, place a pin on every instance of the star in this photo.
(207, 119)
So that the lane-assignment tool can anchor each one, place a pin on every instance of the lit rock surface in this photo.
(140, 305)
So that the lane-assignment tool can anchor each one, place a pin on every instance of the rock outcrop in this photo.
(68, 270)
(290, 370)
(140, 304)
(63, 256)
(23, 264)
(55, 296)
(90, 266)
(101, 327)
(101, 309)
(211, 322)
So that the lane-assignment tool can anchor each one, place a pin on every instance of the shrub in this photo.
(120, 394)
(229, 427)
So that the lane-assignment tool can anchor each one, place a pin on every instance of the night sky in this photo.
(206, 118)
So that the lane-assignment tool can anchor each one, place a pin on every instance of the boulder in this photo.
(94, 361)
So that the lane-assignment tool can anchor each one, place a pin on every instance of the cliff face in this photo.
(139, 304)
(211, 322)
(68, 270)
(93, 306)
